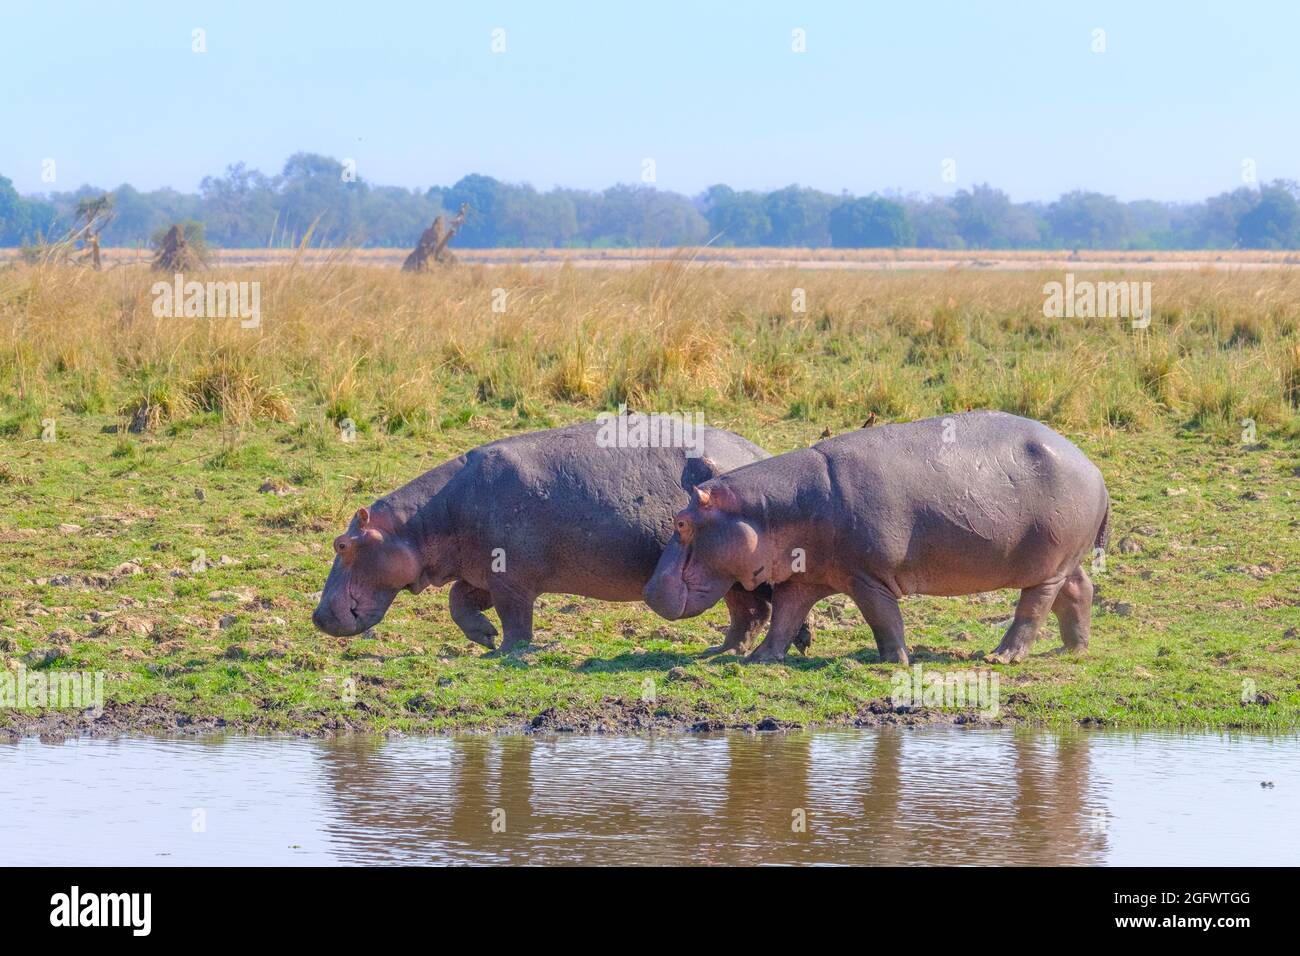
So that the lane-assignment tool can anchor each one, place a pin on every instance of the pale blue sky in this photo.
(712, 92)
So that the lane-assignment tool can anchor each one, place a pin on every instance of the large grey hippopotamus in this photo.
(571, 510)
(956, 505)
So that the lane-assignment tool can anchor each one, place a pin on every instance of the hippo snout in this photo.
(325, 621)
(335, 625)
(665, 597)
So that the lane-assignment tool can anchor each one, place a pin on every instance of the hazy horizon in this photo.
(1014, 95)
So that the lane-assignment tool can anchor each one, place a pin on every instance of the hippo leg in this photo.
(1073, 610)
(749, 611)
(879, 606)
(791, 604)
(467, 604)
(1034, 604)
(516, 612)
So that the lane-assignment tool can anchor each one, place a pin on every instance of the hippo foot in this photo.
(764, 654)
(1007, 655)
(486, 638)
(803, 640)
(1079, 650)
(717, 649)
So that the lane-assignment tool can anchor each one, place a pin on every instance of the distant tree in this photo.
(243, 208)
(15, 215)
(485, 197)
(1274, 221)
(642, 216)
(1151, 223)
(1216, 226)
(871, 222)
(798, 217)
(987, 219)
(737, 219)
(314, 189)
(1088, 220)
(935, 222)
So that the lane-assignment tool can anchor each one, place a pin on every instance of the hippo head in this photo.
(713, 547)
(371, 564)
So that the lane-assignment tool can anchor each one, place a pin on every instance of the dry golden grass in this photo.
(758, 257)
(407, 352)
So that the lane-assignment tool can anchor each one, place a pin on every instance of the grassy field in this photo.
(749, 257)
(169, 487)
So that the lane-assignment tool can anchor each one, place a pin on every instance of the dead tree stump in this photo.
(432, 246)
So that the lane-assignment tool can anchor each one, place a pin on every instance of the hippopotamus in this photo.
(945, 506)
(567, 510)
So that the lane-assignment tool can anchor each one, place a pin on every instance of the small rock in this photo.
(42, 656)
(1129, 546)
(677, 673)
(127, 568)
(139, 626)
(69, 528)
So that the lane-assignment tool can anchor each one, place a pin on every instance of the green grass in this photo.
(1211, 600)
(423, 369)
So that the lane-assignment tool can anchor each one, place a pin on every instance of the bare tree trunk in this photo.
(433, 244)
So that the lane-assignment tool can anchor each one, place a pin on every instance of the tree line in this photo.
(246, 208)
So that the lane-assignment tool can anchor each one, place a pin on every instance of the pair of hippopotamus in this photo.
(946, 506)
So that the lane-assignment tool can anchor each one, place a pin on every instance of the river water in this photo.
(936, 795)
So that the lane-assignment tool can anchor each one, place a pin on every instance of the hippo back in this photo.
(571, 511)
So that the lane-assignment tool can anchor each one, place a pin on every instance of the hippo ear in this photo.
(698, 471)
(717, 498)
(362, 518)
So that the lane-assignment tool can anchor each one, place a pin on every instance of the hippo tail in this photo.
(1103, 532)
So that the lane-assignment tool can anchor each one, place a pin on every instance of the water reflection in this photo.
(880, 798)
(941, 795)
